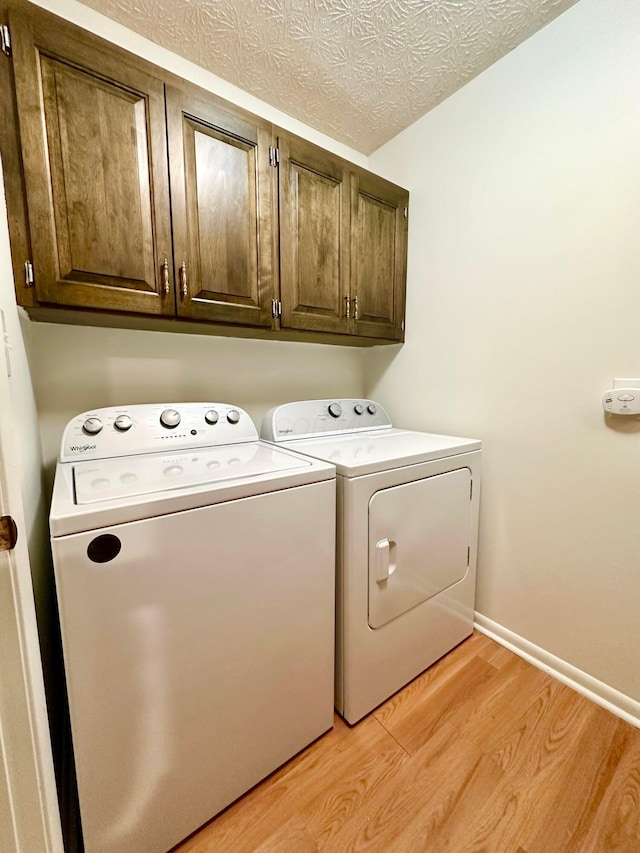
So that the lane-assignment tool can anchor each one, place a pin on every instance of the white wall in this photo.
(76, 368)
(523, 305)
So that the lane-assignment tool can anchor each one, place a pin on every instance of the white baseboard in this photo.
(599, 692)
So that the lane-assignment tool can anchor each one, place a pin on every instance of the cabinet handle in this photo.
(183, 280)
(356, 316)
(165, 276)
(347, 307)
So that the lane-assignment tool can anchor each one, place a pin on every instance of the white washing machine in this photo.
(195, 575)
(407, 530)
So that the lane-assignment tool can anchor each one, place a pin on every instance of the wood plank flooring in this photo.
(483, 752)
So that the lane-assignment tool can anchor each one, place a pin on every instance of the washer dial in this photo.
(211, 417)
(170, 418)
(233, 416)
(335, 410)
(122, 423)
(92, 426)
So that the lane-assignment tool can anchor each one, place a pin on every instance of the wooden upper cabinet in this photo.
(314, 237)
(93, 143)
(379, 212)
(222, 191)
(148, 196)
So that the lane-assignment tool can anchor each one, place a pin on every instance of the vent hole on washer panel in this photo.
(104, 548)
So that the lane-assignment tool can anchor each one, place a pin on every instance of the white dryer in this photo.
(407, 530)
(195, 573)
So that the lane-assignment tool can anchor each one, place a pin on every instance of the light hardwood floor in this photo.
(483, 752)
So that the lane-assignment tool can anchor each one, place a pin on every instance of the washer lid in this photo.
(367, 453)
(209, 476)
(111, 479)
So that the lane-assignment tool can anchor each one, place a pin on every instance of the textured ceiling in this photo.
(359, 70)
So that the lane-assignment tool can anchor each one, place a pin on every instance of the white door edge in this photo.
(29, 811)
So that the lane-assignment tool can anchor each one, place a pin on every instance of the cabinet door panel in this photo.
(91, 126)
(375, 266)
(378, 261)
(225, 169)
(314, 222)
(222, 206)
(88, 191)
(317, 231)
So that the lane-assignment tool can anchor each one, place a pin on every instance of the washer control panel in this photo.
(315, 418)
(146, 428)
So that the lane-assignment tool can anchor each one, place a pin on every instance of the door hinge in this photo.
(276, 308)
(29, 278)
(274, 156)
(8, 533)
(406, 213)
(5, 38)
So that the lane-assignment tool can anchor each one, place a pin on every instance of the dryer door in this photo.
(418, 542)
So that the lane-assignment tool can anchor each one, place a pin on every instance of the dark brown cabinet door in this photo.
(378, 256)
(314, 237)
(93, 142)
(222, 190)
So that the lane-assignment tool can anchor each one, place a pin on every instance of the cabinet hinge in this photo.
(276, 308)
(29, 278)
(274, 156)
(8, 533)
(5, 39)
(406, 213)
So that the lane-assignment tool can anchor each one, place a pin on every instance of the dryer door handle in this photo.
(385, 559)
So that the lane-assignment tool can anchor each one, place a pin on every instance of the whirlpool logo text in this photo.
(81, 448)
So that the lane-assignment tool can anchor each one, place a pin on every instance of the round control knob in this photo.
(372, 408)
(211, 417)
(335, 410)
(358, 408)
(122, 423)
(233, 416)
(92, 426)
(170, 418)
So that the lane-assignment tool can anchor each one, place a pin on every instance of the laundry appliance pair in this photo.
(195, 570)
